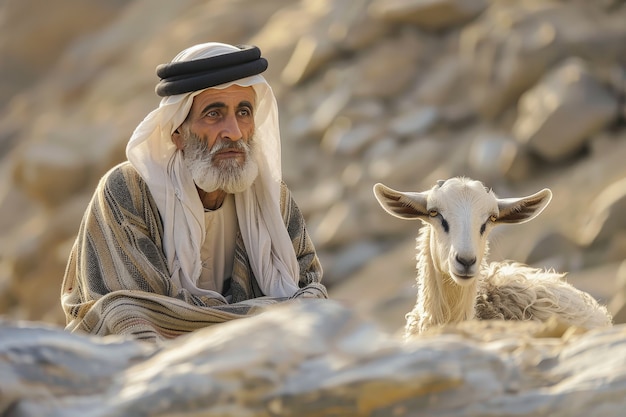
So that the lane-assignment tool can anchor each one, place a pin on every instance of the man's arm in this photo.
(310, 267)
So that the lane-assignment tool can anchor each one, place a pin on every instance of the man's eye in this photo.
(212, 114)
(245, 112)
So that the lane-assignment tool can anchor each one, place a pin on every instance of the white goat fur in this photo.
(455, 282)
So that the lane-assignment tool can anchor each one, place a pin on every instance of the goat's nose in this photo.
(466, 262)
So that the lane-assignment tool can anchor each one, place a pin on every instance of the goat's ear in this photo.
(521, 210)
(403, 205)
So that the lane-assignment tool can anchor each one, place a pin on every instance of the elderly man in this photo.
(197, 227)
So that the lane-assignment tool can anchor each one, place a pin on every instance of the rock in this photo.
(600, 282)
(415, 122)
(342, 139)
(330, 108)
(555, 251)
(310, 54)
(382, 293)
(511, 45)
(495, 157)
(346, 261)
(332, 28)
(385, 73)
(318, 358)
(428, 14)
(441, 81)
(42, 36)
(418, 157)
(336, 226)
(51, 173)
(617, 304)
(320, 197)
(559, 114)
(605, 216)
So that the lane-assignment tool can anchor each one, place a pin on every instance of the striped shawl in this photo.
(117, 279)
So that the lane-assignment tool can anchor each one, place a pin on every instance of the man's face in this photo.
(217, 139)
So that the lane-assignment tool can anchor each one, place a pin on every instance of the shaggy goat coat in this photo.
(505, 290)
(454, 280)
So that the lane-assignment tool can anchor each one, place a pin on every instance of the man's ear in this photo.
(177, 138)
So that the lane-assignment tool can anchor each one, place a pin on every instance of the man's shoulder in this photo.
(122, 181)
(124, 172)
(123, 185)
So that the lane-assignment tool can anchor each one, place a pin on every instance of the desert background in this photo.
(521, 95)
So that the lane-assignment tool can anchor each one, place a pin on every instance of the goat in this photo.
(455, 282)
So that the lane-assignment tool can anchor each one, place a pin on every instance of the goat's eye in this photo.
(444, 222)
(493, 217)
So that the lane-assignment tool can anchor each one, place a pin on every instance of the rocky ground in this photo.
(336, 365)
(521, 95)
(404, 92)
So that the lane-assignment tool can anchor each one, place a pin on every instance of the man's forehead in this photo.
(232, 95)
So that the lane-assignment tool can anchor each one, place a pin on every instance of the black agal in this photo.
(186, 76)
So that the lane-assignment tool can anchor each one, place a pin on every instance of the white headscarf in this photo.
(151, 151)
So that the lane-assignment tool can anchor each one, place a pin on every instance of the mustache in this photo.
(194, 144)
(227, 144)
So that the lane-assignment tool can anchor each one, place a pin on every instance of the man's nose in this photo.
(231, 128)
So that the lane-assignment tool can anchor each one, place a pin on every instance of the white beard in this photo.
(229, 176)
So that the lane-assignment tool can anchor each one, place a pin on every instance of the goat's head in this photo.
(462, 213)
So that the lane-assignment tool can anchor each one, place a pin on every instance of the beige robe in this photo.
(117, 280)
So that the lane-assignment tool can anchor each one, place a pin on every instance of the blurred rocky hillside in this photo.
(522, 95)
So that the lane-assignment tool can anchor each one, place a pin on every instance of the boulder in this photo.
(429, 14)
(317, 358)
(567, 107)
